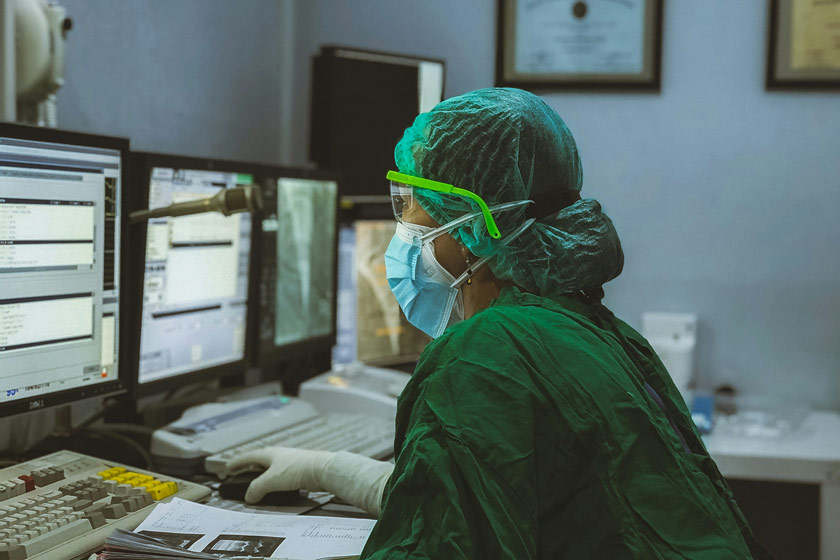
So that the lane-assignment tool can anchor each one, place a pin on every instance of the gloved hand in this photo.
(286, 469)
(355, 479)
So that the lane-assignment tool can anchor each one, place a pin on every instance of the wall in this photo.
(726, 196)
(195, 77)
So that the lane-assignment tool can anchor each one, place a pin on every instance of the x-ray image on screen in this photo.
(305, 277)
(371, 327)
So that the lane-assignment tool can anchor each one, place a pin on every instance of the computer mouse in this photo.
(234, 488)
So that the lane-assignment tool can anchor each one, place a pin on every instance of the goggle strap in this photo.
(517, 232)
(446, 228)
(470, 272)
(480, 263)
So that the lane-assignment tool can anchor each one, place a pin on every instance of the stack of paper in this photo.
(181, 529)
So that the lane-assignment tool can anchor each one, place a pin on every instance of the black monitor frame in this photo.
(39, 134)
(268, 356)
(142, 163)
(330, 126)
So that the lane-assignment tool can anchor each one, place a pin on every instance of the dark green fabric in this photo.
(526, 432)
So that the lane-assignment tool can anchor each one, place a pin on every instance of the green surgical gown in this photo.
(528, 432)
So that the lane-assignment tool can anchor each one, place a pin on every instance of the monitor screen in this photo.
(371, 326)
(298, 261)
(195, 279)
(59, 266)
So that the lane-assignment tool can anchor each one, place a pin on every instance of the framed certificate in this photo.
(803, 46)
(591, 44)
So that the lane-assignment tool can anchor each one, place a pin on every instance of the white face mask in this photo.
(424, 290)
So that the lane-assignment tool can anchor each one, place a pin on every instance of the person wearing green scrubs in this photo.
(536, 424)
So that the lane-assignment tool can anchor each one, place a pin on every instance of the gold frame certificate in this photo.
(577, 43)
(804, 44)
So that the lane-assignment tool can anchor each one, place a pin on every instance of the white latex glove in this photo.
(356, 479)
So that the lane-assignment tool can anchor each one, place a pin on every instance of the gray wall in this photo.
(726, 196)
(195, 77)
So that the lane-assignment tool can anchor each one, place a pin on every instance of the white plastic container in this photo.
(673, 337)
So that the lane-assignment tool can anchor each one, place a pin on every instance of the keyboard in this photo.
(63, 505)
(356, 433)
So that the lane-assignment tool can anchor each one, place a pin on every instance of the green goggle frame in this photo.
(437, 186)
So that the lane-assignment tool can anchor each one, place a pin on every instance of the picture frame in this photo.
(803, 45)
(579, 45)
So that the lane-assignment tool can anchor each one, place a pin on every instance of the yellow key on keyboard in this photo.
(112, 472)
(163, 490)
(158, 492)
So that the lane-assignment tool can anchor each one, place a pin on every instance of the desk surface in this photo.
(810, 453)
(818, 439)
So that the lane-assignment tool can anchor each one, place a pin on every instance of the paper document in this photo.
(222, 533)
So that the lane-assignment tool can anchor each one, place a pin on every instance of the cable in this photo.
(145, 455)
(123, 428)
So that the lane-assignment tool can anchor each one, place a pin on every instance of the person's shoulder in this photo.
(514, 319)
(490, 328)
(475, 347)
(486, 343)
(516, 323)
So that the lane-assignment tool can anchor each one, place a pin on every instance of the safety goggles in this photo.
(404, 201)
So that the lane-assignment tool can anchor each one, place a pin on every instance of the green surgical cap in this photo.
(508, 145)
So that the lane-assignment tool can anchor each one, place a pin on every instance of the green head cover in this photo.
(508, 145)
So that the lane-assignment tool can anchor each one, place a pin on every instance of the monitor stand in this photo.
(63, 422)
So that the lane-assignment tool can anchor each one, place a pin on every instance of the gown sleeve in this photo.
(443, 501)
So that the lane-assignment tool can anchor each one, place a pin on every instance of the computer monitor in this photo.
(192, 283)
(362, 102)
(60, 281)
(296, 280)
(371, 326)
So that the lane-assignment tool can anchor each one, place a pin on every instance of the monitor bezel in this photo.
(142, 163)
(264, 356)
(119, 385)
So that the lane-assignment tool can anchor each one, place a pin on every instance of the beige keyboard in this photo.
(62, 506)
(356, 433)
